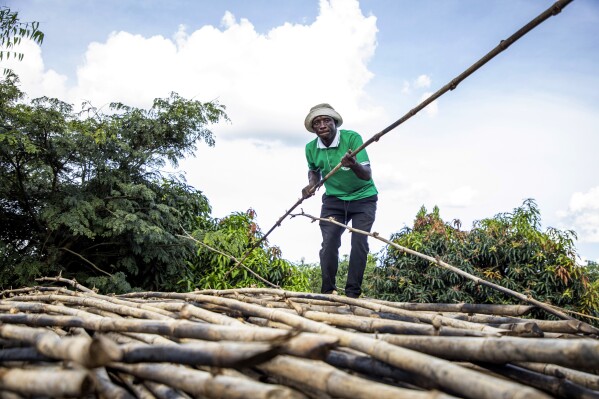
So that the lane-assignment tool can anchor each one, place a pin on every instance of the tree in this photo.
(82, 194)
(509, 249)
(12, 31)
(225, 242)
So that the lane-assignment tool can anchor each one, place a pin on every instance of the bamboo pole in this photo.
(57, 383)
(106, 388)
(549, 309)
(560, 387)
(85, 351)
(325, 378)
(451, 377)
(480, 308)
(579, 354)
(162, 391)
(588, 380)
(170, 328)
(203, 384)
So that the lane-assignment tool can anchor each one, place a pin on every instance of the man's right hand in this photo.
(308, 191)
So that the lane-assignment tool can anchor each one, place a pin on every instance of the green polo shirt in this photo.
(344, 184)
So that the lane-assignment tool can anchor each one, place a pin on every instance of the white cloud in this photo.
(267, 81)
(583, 215)
(423, 81)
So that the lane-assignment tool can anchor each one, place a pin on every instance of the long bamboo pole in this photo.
(549, 309)
(555, 9)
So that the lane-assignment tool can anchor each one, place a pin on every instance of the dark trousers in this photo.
(361, 213)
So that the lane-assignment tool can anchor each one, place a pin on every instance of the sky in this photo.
(525, 125)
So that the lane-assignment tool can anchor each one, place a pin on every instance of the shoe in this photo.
(334, 292)
(354, 296)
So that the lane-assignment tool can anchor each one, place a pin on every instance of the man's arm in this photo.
(313, 178)
(361, 171)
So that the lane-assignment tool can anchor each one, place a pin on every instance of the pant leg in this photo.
(362, 213)
(331, 241)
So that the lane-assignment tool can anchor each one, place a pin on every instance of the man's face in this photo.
(325, 128)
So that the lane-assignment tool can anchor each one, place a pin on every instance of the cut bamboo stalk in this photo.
(140, 391)
(489, 309)
(560, 387)
(72, 283)
(27, 354)
(221, 354)
(169, 328)
(106, 388)
(382, 326)
(376, 369)
(588, 380)
(85, 351)
(188, 311)
(338, 384)
(102, 304)
(196, 382)
(9, 395)
(578, 354)
(53, 383)
(453, 378)
(162, 391)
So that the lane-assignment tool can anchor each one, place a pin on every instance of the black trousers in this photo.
(362, 213)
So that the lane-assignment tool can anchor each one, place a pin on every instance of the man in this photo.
(350, 195)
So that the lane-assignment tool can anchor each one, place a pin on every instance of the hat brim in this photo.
(324, 111)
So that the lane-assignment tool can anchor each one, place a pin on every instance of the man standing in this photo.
(350, 195)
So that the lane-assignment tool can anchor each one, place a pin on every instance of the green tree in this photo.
(12, 31)
(509, 249)
(82, 194)
(227, 240)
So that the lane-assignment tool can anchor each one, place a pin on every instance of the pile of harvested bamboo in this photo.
(266, 343)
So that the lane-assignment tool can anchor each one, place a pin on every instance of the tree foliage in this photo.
(12, 31)
(233, 236)
(83, 194)
(509, 249)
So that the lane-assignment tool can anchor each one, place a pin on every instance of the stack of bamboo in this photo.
(263, 343)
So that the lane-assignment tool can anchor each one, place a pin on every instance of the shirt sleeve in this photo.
(310, 159)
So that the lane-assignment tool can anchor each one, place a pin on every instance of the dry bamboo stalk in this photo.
(424, 317)
(85, 351)
(489, 309)
(259, 321)
(559, 387)
(454, 378)
(162, 391)
(140, 390)
(196, 382)
(170, 328)
(588, 380)
(96, 303)
(323, 377)
(549, 309)
(529, 329)
(187, 311)
(376, 369)
(26, 354)
(57, 383)
(106, 388)
(221, 354)
(384, 326)
(578, 354)
(72, 283)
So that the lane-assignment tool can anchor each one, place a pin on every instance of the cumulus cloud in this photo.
(583, 215)
(422, 81)
(267, 81)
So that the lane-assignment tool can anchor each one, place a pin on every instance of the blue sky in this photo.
(526, 125)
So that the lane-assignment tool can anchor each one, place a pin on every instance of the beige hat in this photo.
(323, 109)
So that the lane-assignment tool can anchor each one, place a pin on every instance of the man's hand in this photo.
(308, 191)
(348, 160)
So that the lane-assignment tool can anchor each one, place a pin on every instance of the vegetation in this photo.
(12, 31)
(509, 249)
(227, 242)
